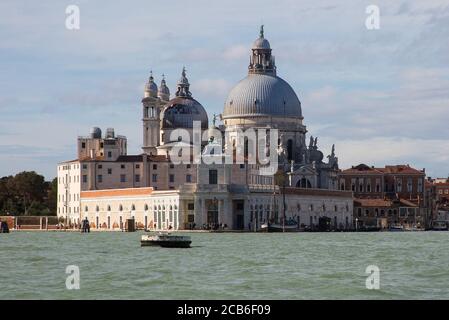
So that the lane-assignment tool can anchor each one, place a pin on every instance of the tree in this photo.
(27, 193)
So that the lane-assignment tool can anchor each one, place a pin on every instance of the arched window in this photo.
(109, 208)
(145, 207)
(304, 183)
(97, 208)
(133, 207)
(290, 149)
(120, 208)
(86, 208)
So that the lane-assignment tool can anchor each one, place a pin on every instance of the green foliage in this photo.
(27, 193)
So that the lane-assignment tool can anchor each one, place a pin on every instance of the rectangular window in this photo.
(189, 178)
(172, 178)
(172, 166)
(109, 170)
(242, 166)
(154, 166)
(399, 185)
(190, 206)
(188, 166)
(409, 185)
(84, 178)
(123, 178)
(137, 166)
(154, 178)
(213, 177)
(83, 145)
(84, 166)
(100, 178)
(420, 185)
(100, 166)
(109, 154)
(137, 178)
(122, 166)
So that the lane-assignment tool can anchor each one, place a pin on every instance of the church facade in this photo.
(108, 186)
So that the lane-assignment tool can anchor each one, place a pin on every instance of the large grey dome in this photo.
(180, 112)
(262, 95)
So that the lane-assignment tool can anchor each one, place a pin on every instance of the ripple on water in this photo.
(412, 265)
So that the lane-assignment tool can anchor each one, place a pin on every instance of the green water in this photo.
(226, 266)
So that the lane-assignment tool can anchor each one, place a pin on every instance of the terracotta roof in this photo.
(361, 168)
(444, 185)
(372, 203)
(158, 158)
(116, 192)
(392, 169)
(130, 158)
(401, 168)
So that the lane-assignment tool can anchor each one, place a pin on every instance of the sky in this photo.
(381, 96)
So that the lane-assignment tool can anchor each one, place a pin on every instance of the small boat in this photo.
(278, 227)
(165, 240)
(396, 228)
(440, 226)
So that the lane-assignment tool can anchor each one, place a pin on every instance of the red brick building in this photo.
(437, 197)
(383, 197)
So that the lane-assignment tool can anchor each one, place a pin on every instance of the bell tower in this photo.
(152, 103)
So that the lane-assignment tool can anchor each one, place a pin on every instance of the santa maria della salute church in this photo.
(109, 187)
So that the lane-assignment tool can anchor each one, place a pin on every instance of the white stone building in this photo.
(108, 186)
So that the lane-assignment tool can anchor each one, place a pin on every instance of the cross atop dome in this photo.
(261, 31)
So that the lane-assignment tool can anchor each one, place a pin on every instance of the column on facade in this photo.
(220, 211)
(40, 223)
(197, 212)
(227, 212)
(246, 213)
(204, 211)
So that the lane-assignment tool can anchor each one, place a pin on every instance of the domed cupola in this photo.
(261, 60)
(164, 91)
(150, 87)
(181, 111)
(262, 93)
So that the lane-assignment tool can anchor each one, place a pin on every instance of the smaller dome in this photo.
(261, 43)
(180, 112)
(164, 91)
(150, 87)
(95, 133)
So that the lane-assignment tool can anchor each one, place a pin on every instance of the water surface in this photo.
(413, 265)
